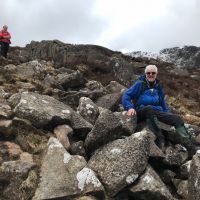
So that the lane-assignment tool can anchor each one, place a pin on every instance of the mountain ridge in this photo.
(186, 56)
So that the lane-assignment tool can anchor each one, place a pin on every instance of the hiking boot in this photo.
(186, 141)
(184, 136)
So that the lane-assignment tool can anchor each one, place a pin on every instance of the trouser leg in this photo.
(167, 118)
(173, 120)
(177, 122)
(153, 124)
(4, 49)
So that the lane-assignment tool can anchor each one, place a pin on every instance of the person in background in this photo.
(150, 106)
(5, 41)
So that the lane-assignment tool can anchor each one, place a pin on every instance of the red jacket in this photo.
(5, 36)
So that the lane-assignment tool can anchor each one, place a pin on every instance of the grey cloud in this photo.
(178, 28)
(73, 21)
(68, 21)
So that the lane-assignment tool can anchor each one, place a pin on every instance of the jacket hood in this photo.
(142, 77)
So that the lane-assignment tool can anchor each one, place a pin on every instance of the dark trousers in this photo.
(167, 118)
(4, 49)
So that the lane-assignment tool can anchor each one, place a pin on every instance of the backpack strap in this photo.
(160, 87)
(143, 88)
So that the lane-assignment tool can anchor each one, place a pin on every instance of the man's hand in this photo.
(131, 112)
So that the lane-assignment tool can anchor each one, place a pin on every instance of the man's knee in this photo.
(178, 121)
(148, 110)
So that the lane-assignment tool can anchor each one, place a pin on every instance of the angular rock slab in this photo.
(175, 156)
(43, 111)
(150, 187)
(63, 175)
(114, 86)
(120, 163)
(73, 80)
(128, 123)
(194, 178)
(88, 109)
(107, 128)
(110, 101)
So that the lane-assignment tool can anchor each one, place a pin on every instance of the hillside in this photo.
(65, 135)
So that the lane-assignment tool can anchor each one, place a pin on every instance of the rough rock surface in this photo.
(43, 111)
(150, 187)
(194, 178)
(121, 162)
(64, 175)
(107, 128)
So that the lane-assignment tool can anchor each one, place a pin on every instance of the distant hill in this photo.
(187, 56)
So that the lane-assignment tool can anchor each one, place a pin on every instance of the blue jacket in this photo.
(145, 95)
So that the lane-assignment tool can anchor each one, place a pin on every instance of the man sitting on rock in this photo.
(150, 106)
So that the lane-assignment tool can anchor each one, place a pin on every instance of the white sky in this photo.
(123, 25)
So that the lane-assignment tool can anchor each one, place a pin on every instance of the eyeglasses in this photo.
(148, 73)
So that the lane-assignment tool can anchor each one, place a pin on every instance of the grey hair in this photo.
(151, 67)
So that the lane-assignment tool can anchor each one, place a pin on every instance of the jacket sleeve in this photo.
(131, 93)
(162, 101)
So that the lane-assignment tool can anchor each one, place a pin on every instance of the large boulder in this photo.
(110, 101)
(107, 128)
(114, 87)
(121, 162)
(46, 112)
(64, 175)
(73, 80)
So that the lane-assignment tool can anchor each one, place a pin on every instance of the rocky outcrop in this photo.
(97, 58)
(187, 56)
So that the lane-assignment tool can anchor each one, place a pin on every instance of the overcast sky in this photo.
(123, 25)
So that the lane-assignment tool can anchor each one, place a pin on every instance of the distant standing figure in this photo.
(5, 41)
